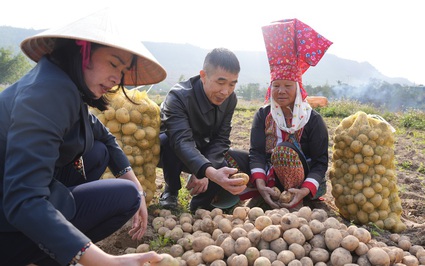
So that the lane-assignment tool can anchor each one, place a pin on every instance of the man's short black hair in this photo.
(221, 58)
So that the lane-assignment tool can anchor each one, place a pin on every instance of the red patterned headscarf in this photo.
(292, 47)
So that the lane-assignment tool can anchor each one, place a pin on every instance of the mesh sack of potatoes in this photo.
(136, 128)
(363, 176)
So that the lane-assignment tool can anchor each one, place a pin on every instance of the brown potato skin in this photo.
(244, 176)
(286, 197)
(277, 193)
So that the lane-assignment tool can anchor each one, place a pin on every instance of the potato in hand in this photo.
(243, 176)
(276, 194)
(286, 197)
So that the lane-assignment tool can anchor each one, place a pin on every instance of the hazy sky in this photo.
(389, 34)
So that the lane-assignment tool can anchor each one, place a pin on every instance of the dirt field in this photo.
(410, 157)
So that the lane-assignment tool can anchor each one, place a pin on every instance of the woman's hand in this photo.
(151, 258)
(95, 256)
(299, 195)
(266, 192)
(140, 221)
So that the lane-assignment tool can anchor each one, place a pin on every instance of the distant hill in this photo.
(185, 60)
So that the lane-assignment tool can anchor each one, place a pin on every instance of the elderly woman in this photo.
(289, 140)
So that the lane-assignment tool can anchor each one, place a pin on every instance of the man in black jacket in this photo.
(195, 128)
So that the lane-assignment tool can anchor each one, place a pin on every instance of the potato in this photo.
(240, 212)
(289, 220)
(228, 245)
(316, 226)
(244, 178)
(318, 241)
(221, 238)
(377, 256)
(262, 222)
(298, 250)
(129, 250)
(319, 255)
(208, 225)
(278, 245)
(271, 233)
(122, 115)
(158, 222)
(170, 223)
(242, 244)
(341, 257)
(252, 253)
(410, 260)
(254, 236)
(239, 260)
(269, 254)
(238, 232)
(194, 259)
(306, 261)
(225, 225)
(362, 249)
(167, 260)
(276, 218)
(142, 248)
(163, 230)
(199, 243)
(255, 212)
(319, 214)
(362, 234)
(109, 113)
(293, 235)
(248, 226)
(212, 253)
(262, 261)
(276, 194)
(286, 197)
(305, 212)
(176, 250)
(217, 263)
(333, 238)
(404, 244)
(350, 243)
(176, 233)
(187, 254)
(307, 232)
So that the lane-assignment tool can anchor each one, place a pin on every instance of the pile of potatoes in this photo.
(363, 176)
(251, 236)
(136, 128)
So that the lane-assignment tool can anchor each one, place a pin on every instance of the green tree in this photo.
(12, 67)
(250, 91)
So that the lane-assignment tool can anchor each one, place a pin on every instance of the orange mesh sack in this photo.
(363, 176)
(136, 128)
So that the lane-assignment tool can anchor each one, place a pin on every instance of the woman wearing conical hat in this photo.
(53, 207)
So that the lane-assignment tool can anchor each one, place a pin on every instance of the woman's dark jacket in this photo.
(45, 125)
(314, 144)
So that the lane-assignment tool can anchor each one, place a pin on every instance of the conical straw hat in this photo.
(100, 28)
